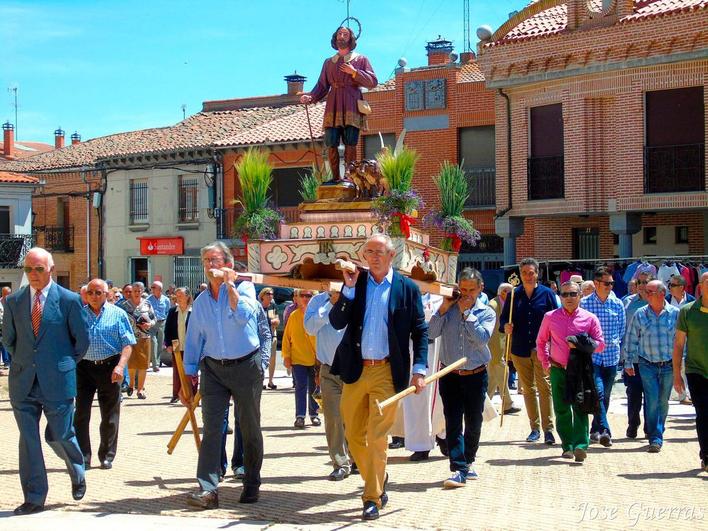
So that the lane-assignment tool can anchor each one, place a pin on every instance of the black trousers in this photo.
(92, 379)
(698, 386)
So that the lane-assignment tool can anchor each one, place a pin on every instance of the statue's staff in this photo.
(514, 281)
(312, 138)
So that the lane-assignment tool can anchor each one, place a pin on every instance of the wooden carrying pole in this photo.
(514, 281)
(410, 390)
(189, 415)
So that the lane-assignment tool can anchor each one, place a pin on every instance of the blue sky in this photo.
(101, 67)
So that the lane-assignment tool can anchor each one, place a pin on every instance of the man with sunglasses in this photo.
(101, 371)
(46, 331)
(678, 297)
(553, 347)
(610, 312)
(649, 345)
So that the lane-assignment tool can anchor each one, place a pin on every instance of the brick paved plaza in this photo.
(522, 486)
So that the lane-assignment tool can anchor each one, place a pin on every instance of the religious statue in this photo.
(342, 77)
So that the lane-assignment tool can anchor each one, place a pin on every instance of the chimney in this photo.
(75, 138)
(8, 146)
(59, 138)
(576, 8)
(439, 51)
(296, 83)
(467, 57)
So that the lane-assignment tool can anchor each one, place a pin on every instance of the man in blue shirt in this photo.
(161, 305)
(465, 326)
(101, 370)
(222, 341)
(317, 324)
(531, 302)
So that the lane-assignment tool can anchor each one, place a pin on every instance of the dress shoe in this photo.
(549, 439)
(28, 508)
(370, 512)
(206, 499)
(249, 495)
(396, 443)
(129, 392)
(106, 464)
(512, 409)
(78, 491)
(174, 400)
(299, 423)
(534, 436)
(631, 432)
(419, 456)
(272, 386)
(338, 474)
(580, 454)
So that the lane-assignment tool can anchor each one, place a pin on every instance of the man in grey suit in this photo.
(46, 331)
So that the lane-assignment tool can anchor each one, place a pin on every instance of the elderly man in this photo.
(383, 313)
(341, 80)
(649, 344)
(465, 326)
(678, 297)
(328, 338)
(531, 302)
(610, 311)
(587, 288)
(222, 341)
(46, 332)
(560, 333)
(160, 305)
(101, 370)
(497, 343)
(692, 337)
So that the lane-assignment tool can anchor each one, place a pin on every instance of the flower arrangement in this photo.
(258, 221)
(397, 210)
(451, 183)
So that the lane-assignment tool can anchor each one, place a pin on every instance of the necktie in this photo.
(36, 312)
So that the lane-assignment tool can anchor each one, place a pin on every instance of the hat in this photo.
(576, 278)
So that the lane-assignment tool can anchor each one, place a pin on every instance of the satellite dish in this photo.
(402, 62)
(484, 33)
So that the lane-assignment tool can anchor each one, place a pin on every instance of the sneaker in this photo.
(605, 439)
(549, 439)
(456, 480)
(580, 454)
(299, 422)
(568, 454)
(595, 437)
(240, 472)
(534, 436)
(654, 448)
(471, 473)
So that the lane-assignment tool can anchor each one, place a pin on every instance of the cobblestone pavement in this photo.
(521, 485)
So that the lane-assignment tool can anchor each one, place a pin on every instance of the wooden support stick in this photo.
(410, 390)
(189, 415)
(514, 281)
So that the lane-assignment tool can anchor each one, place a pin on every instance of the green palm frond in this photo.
(398, 168)
(255, 175)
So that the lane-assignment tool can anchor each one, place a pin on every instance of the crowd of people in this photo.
(349, 350)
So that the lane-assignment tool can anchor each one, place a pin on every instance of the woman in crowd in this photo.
(176, 325)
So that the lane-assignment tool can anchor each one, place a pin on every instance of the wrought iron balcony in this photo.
(678, 168)
(545, 178)
(482, 187)
(13, 248)
(59, 239)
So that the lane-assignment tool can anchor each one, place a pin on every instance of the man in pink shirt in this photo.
(553, 351)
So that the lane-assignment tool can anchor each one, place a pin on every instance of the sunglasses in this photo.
(571, 294)
(642, 282)
(94, 292)
(608, 283)
(38, 269)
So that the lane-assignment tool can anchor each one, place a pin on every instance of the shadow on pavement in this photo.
(695, 473)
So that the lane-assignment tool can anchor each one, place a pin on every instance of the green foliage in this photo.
(452, 185)
(398, 168)
(259, 224)
(255, 175)
(310, 182)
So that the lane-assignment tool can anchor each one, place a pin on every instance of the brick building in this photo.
(606, 103)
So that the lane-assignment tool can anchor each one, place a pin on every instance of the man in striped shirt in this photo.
(101, 370)
(650, 341)
(610, 311)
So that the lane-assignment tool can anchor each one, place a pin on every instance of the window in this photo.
(372, 144)
(586, 243)
(649, 235)
(5, 220)
(188, 271)
(682, 234)
(478, 156)
(545, 170)
(138, 201)
(285, 188)
(674, 154)
(188, 211)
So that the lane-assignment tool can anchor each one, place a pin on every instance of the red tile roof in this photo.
(26, 149)
(9, 177)
(471, 73)
(554, 19)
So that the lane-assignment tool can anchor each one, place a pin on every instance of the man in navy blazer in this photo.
(46, 330)
(383, 313)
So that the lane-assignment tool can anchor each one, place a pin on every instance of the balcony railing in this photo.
(229, 215)
(482, 187)
(13, 248)
(59, 239)
(674, 168)
(545, 178)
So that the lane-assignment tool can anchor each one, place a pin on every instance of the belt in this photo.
(105, 361)
(226, 363)
(657, 363)
(372, 363)
(557, 365)
(470, 372)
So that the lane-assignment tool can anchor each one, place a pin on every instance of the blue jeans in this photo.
(657, 380)
(304, 387)
(4, 356)
(635, 397)
(604, 380)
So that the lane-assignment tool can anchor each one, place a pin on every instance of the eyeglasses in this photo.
(38, 269)
(571, 294)
(213, 260)
(379, 253)
(652, 292)
(608, 283)
(94, 292)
